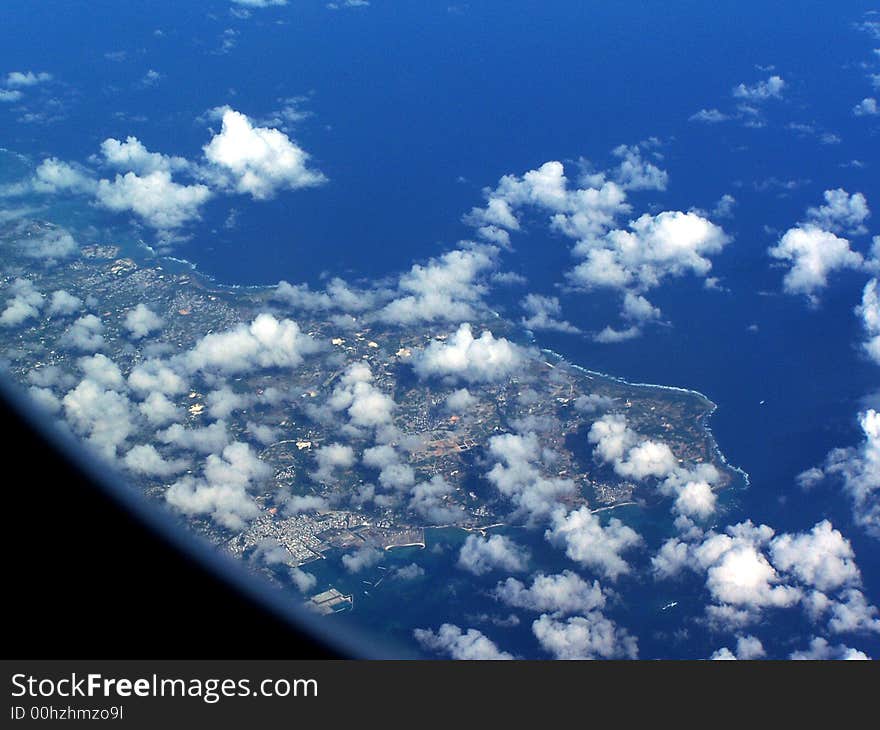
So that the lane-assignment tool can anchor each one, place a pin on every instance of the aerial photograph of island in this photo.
(481, 331)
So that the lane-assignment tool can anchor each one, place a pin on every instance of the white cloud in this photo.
(85, 334)
(544, 313)
(822, 557)
(103, 371)
(590, 544)
(747, 647)
(131, 155)
(54, 176)
(161, 203)
(431, 500)
(558, 595)
(258, 161)
(265, 343)
(145, 459)
(867, 107)
(869, 312)
(584, 637)
(64, 303)
(459, 401)
(156, 376)
(332, 457)
(446, 289)
(636, 173)
(709, 116)
(303, 581)
(812, 254)
(27, 78)
(361, 559)
(25, 303)
(517, 475)
(841, 213)
(475, 360)
(102, 415)
(771, 88)
(141, 321)
(610, 335)
(222, 491)
(819, 648)
(469, 645)
(260, 3)
(671, 243)
(366, 405)
(158, 410)
(481, 555)
(748, 569)
(206, 439)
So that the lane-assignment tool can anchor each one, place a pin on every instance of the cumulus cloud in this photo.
(544, 313)
(841, 213)
(361, 559)
(480, 555)
(557, 595)
(749, 569)
(133, 156)
(668, 244)
(822, 557)
(156, 376)
(446, 289)
(584, 637)
(303, 581)
(63, 303)
(330, 458)
(869, 313)
(141, 321)
(636, 173)
(159, 410)
(206, 439)
(449, 639)
(858, 468)
(338, 294)
(747, 648)
(18, 79)
(459, 401)
(49, 245)
(812, 254)
(257, 161)
(260, 3)
(167, 192)
(265, 343)
(518, 476)
(590, 544)
(222, 490)
(85, 334)
(432, 501)
(154, 197)
(146, 459)
(100, 414)
(771, 88)
(464, 357)
(24, 304)
(103, 371)
(867, 107)
(819, 649)
(365, 404)
(393, 474)
(709, 116)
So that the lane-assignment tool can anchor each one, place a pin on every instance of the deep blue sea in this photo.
(412, 108)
